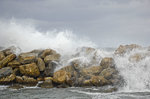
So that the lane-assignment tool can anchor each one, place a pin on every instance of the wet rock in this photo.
(126, 48)
(49, 69)
(107, 62)
(108, 72)
(7, 79)
(99, 81)
(2, 56)
(40, 64)
(6, 60)
(94, 70)
(136, 57)
(87, 83)
(13, 64)
(110, 90)
(50, 58)
(40, 79)
(9, 50)
(29, 70)
(47, 52)
(48, 78)
(61, 76)
(16, 71)
(26, 58)
(26, 80)
(6, 71)
(47, 83)
(16, 86)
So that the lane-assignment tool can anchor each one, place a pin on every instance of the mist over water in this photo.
(26, 37)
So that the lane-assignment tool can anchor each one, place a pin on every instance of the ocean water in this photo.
(68, 93)
(24, 37)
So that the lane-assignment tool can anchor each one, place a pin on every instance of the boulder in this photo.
(27, 58)
(7, 79)
(16, 71)
(50, 58)
(108, 72)
(40, 64)
(2, 56)
(99, 81)
(49, 69)
(87, 83)
(6, 71)
(61, 76)
(47, 83)
(107, 62)
(29, 70)
(40, 79)
(136, 57)
(26, 80)
(47, 52)
(13, 64)
(16, 86)
(93, 70)
(48, 78)
(126, 48)
(6, 60)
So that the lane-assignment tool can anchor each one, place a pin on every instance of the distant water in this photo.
(68, 93)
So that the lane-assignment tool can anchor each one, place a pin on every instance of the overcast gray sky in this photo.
(109, 23)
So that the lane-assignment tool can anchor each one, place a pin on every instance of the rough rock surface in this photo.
(47, 83)
(13, 64)
(6, 60)
(61, 76)
(40, 64)
(126, 48)
(2, 56)
(50, 58)
(26, 58)
(7, 79)
(107, 62)
(6, 71)
(29, 70)
(26, 80)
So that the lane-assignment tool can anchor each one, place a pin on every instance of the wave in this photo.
(71, 47)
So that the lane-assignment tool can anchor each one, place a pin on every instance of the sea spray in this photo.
(27, 37)
(136, 74)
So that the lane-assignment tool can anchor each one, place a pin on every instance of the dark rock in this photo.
(49, 69)
(7, 79)
(47, 83)
(26, 80)
(6, 71)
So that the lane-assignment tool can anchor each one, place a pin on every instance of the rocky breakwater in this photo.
(27, 69)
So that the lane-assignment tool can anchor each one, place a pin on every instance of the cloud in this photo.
(106, 22)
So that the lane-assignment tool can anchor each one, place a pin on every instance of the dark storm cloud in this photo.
(107, 22)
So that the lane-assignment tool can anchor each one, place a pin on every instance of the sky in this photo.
(108, 23)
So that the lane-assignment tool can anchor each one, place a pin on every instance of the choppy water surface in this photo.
(68, 93)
